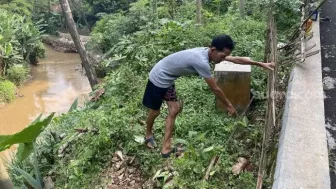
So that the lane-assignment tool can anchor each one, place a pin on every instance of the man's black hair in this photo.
(222, 41)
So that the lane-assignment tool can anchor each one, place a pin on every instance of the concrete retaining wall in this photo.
(302, 160)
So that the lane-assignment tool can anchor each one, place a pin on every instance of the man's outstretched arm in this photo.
(220, 94)
(246, 60)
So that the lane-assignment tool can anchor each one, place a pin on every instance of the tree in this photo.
(108, 6)
(171, 10)
(79, 45)
(199, 11)
(242, 8)
(1, 66)
(155, 12)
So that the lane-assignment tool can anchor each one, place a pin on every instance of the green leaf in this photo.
(36, 120)
(74, 105)
(27, 135)
(139, 139)
(212, 173)
(181, 141)
(9, 49)
(24, 150)
(192, 133)
(4, 138)
(208, 149)
(33, 182)
(157, 174)
(200, 137)
(1, 37)
(245, 120)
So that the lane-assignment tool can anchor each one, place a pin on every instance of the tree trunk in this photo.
(156, 16)
(79, 45)
(49, 14)
(172, 9)
(242, 8)
(1, 66)
(199, 11)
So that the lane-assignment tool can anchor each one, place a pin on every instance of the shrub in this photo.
(7, 91)
(17, 74)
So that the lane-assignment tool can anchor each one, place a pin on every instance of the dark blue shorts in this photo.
(154, 95)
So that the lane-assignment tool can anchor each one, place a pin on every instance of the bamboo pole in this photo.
(270, 56)
(302, 33)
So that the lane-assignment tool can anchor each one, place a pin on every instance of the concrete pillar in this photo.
(235, 82)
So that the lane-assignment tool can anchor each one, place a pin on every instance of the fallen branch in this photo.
(297, 31)
(213, 163)
(295, 60)
(307, 49)
(247, 107)
(99, 93)
(295, 41)
(63, 147)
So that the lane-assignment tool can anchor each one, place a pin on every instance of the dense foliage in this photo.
(7, 91)
(20, 7)
(132, 42)
(17, 74)
(19, 42)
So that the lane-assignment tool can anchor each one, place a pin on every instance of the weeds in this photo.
(76, 160)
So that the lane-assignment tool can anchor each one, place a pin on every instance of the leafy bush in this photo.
(20, 7)
(19, 40)
(108, 6)
(110, 29)
(17, 74)
(7, 91)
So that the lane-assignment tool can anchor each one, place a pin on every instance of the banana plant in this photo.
(26, 140)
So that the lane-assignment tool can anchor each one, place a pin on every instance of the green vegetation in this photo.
(26, 140)
(7, 91)
(17, 74)
(20, 7)
(133, 37)
(19, 44)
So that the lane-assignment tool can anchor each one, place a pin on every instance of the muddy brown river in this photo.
(57, 81)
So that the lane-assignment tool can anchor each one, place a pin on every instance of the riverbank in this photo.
(63, 42)
(56, 82)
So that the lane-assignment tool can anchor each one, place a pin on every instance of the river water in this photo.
(57, 81)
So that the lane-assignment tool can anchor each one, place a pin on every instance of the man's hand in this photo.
(231, 110)
(220, 94)
(268, 66)
(247, 60)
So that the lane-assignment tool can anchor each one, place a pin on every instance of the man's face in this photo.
(219, 56)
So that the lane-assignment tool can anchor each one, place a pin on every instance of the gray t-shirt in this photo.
(186, 62)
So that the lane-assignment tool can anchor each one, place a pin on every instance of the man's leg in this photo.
(174, 109)
(152, 115)
(153, 100)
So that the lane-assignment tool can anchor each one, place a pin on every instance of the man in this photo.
(161, 85)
